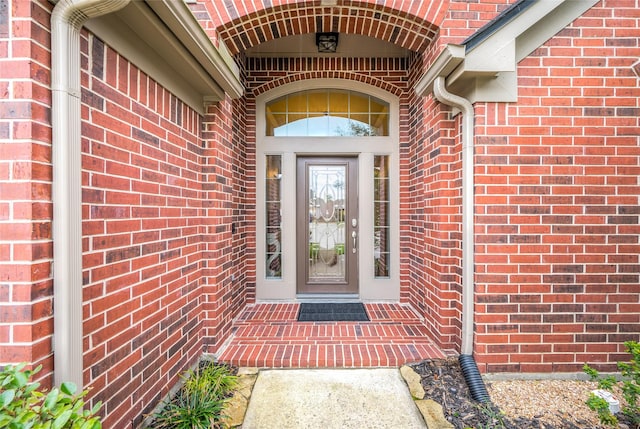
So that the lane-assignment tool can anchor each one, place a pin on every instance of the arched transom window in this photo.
(326, 113)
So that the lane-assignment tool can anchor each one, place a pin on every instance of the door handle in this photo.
(354, 235)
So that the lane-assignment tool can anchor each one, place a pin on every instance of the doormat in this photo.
(332, 312)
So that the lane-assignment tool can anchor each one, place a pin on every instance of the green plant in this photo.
(630, 386)
(22, 406)
(199, 403)
(492, 416)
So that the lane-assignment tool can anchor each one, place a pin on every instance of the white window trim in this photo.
(365, 148)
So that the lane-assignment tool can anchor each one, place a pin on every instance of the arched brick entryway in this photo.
(409, 24)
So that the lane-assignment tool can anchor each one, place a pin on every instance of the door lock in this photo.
(354, 222)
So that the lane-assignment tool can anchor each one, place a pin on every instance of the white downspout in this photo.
(66, 21)
(468, 239)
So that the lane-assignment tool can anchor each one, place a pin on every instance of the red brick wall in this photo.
(157, 260)
(156, 257)
(164, 232)
(431, 212)
(557, 195)
(463, 18)
(26, 249)
(143, 237)
(229, 220)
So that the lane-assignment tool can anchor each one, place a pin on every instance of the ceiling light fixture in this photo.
(327, 42)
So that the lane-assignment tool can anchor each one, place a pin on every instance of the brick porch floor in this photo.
(268, 335)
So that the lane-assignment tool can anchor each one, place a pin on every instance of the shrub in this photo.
(22, 406)
(630, 386)
(199, 403)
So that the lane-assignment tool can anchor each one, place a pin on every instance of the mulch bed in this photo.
(443, 382)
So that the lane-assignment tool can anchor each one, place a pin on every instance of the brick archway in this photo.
(413, 26)
(329, 74)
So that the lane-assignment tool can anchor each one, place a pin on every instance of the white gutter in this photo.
(468, 239)
(448, 60)
(66, 21)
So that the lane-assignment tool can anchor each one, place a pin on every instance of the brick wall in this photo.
(153, 272)
(229, 220)
(164, 232)
(143, 238)
(26, 249)
(557, 195)
(431, 207)
(463, 18)
(155, 262)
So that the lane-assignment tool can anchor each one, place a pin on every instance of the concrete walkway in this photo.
(331, 398)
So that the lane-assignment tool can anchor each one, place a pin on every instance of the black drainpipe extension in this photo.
(473, 378)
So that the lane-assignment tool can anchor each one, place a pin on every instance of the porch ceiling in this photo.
(349, 45)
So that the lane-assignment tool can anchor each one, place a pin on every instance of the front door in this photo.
(327, 225)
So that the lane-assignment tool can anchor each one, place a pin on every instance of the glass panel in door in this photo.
(327, 225)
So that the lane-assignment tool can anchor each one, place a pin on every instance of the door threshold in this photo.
(327, 297)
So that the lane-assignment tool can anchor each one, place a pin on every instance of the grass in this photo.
(200, 401)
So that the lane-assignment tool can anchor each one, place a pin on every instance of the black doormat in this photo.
(332, 312)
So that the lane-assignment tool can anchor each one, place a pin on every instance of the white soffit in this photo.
(487, 71)
(164, 40)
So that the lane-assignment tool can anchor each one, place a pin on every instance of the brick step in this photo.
(268, 335)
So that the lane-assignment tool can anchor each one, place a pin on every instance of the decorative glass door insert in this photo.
(328, 225)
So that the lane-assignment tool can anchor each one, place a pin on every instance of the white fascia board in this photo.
(489, 87)
(497, 52)
(216, 61)
(553, 22)
(524, 34)
(448, 60)
(490, 58)
(488, 71)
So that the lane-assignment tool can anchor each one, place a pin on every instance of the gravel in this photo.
(516, 404)
(556, 403)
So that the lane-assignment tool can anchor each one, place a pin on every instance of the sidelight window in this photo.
(273, 192)
(381, 216)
